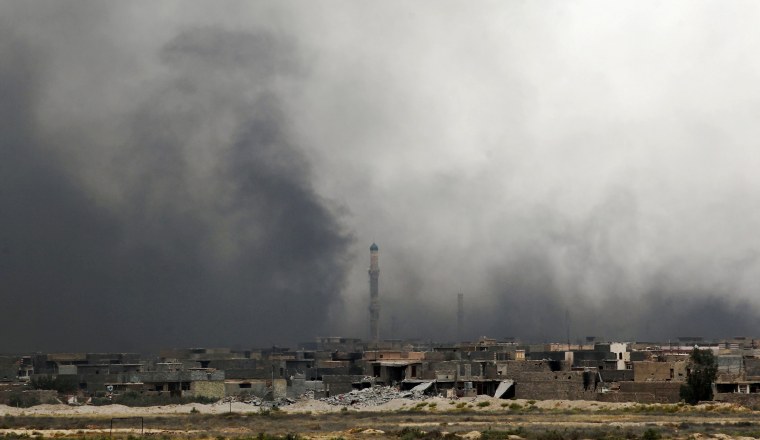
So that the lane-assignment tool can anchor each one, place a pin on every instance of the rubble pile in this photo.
(256, 401)
(371, 396)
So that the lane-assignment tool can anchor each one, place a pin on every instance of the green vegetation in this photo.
(410, 434)
(533, 425)
(501, 435)
(572, 434)
(23, 401)
(703, 369)
(416, 433)
(273, 412)
(651, 434)
(265, 436)
(62, 384)
(132, 398)
(416, 408)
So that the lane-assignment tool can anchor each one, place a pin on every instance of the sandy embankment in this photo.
(438, 404)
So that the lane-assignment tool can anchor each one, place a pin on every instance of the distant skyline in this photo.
(177, 173)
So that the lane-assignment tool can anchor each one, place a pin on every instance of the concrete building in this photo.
(622, 354)
(9, 368)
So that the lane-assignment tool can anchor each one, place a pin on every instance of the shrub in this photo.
(416, 433)
(651, 434)
(501, 435)
(550, 435)
(132, 398)
(61, 384)
(22, 401)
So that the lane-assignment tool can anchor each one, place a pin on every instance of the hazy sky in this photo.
(213, 173)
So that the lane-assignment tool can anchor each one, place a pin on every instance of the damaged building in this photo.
(603, 371)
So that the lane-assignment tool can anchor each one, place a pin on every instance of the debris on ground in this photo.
(256, 401)
(376, 395)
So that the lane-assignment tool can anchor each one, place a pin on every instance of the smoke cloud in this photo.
(178, 174)
(191, 220)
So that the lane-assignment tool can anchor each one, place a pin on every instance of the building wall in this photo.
(339, 384)
(659, 371)
(627, 397)
(752, 368)
(616, 375)
(508, 369)
(213, 389)
(257, 373)
(748, 400)
(280, 388)
(297, 386)
(434, 356)
(664, 392)
(393, 355)
(256, 387)
(67, 357)
(567, 385)
(9, 366)
(262, 388)
(324, 363)
(28, 397)
(67, 369)
(730, 364)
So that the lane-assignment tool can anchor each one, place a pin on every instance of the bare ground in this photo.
(400, 418)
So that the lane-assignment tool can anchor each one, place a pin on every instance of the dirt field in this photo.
(483, 417)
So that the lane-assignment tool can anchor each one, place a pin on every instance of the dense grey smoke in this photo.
(177, 173)
(222, 248)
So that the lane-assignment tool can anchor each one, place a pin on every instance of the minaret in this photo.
(460, 316)
(374, 300)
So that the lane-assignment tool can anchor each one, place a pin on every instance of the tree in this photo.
(62, 384)
(703, 369)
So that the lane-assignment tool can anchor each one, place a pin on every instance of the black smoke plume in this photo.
(211, 233)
